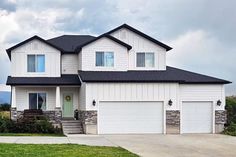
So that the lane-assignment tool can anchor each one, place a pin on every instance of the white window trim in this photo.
(104, 67)
(36, 72)
(37, 98)
(145, 67)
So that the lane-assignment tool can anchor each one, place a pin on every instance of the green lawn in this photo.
(5, 114)
(61, 150)
(30, 134)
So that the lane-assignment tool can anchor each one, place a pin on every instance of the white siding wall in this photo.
(82, 97)
(150, 92)
(71, 90)
(19, 60)
(22, 96)
(132, 92)
(104, 44)
(70, 64)
(140, 44)
(203, 93)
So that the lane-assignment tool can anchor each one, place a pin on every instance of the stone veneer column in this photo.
(16, 115)
(89, 121)
(220, 120)
(172, 121)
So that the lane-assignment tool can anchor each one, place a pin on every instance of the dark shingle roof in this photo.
(47, 81)
(30, 39)
(169, 75)
(106, 36)
(69, 42)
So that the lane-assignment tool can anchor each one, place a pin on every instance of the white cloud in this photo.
(201, 52)
(5, 88)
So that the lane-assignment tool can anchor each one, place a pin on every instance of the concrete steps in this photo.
(72, 127)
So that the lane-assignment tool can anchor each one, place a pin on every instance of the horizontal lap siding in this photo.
(88, 55)
(131, 92)
(22, 101)
(69, 64)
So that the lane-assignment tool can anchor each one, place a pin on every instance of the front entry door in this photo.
(68, 105)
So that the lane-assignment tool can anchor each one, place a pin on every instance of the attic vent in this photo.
(123, 34)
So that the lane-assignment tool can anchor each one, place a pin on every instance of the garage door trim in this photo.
(213, 115)
(163, 113)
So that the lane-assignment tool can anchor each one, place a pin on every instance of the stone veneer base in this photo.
(89, 121)
(220, 120)
(172, 121)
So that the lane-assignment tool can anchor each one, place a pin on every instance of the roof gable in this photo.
(102, 36)
(28, 40)
(141, 34)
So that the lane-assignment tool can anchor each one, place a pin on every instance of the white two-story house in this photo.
(119, 83)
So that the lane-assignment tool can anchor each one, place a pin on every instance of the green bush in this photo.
(230, 130)
(231, 110)
(35, 126)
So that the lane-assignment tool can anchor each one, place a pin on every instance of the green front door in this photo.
(68, 105)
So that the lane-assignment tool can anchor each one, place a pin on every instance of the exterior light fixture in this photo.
(170, 102)
(218, 102)
(94, 102)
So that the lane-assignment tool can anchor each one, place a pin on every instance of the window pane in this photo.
(32, 100)
(40, 63)
(42, 101)
(31, 63)
(99, 58)
(109, 59)
(140, 60)
(149, 60)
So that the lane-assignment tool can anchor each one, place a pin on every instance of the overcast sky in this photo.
(201, 32)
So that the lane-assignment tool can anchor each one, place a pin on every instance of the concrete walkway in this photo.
(92, 140)
(188, 145)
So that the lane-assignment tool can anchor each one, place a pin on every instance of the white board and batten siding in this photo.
(88, 53)
(129, 92)
(141, 44)
(19, 60)
(201, 92)
(69, 64)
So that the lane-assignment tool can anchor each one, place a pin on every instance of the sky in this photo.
(202, 33)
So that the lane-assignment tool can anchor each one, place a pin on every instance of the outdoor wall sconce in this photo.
(218, 102)
(170, 102)
(94, 102)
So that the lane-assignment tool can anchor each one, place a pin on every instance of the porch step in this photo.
(72, 127)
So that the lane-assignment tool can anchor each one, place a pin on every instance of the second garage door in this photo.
(196, 117)
(130, 117)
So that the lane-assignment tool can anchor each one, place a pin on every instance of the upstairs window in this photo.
(105, 59)
(37, 101)
(36, 63)
(145, 59)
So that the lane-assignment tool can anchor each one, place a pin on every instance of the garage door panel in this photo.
(196, 117)
(130, 117)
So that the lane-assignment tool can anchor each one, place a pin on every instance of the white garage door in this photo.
(130, 117)
(196, 117)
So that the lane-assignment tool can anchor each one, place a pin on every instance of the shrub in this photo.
(230, 130)
(231, 110)
(35, 126)
(5, 107)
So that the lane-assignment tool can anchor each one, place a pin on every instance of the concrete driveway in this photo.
(189, 145)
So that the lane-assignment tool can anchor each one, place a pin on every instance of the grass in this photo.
(30, 134)
(5, 114)
(61, 150)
